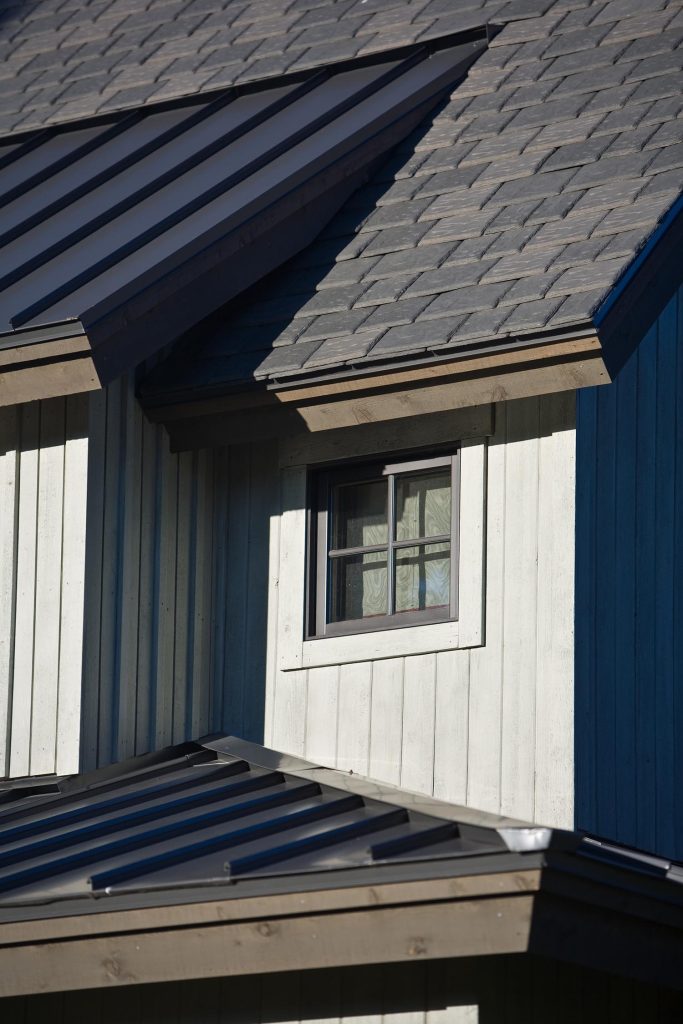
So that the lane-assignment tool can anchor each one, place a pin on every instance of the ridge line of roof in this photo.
(487, 31)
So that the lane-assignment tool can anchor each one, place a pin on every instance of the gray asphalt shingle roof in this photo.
(66, 59)
(515, 210)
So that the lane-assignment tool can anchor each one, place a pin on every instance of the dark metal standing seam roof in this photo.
(200, 816)
(122, 229)
(223, 858)
(204, 816)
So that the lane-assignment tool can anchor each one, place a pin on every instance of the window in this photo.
(383, 546)
(430, 542)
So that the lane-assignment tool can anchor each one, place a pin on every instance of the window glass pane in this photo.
(423, 577)
(359, 514)
(358, 586)
(423, 505)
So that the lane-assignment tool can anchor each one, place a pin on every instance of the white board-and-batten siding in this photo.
(170, 626)
(108, 578)
(148, 585)
(176, 586)
(492, 725)
(43, 473)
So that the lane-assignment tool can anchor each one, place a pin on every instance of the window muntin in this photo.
(386, 546)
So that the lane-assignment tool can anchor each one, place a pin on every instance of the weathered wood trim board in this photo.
(468, 916)
(384, 396)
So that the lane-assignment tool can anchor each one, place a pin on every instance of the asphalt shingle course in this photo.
(518, 207)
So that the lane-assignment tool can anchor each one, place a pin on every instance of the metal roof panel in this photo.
(209, 816)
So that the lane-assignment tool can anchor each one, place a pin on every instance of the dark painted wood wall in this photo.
(629, 597)
(487, 990)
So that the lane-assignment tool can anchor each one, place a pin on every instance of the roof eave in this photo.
(524, 907)
(480, 374)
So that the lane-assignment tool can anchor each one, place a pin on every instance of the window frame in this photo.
(288, 649)
(322, 482)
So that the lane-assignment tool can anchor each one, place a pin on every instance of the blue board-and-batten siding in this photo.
(629, 597)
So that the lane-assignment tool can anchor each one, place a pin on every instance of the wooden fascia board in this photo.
(270, 942)
(555, 353)
(514, 911)
(46, 369)
(383, 396)
(214, 911)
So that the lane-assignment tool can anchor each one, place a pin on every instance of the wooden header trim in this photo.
(470, 916)
(390, 396)
(255, 907)
(492, 914)
(483, 364)
(47, 369)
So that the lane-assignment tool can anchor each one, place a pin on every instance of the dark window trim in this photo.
(320, 484)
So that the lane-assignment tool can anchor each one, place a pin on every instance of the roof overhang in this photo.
(515, 889)
(591, 921)
(151, 221)
(471, 377)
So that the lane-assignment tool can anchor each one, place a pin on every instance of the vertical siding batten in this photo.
(166, 598)
(264, 505)
(94, 560)
(486, 663)
(151, 561)
(9, 494)
(625, 543)
(678, 574)
(24, 616)
(200, 648)
(645, 623)
(183, 595)
(68, 726)
(517, 763)
(49, 530)
(665, 495)
(146, 610)
(554, 701)
(129, 570)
